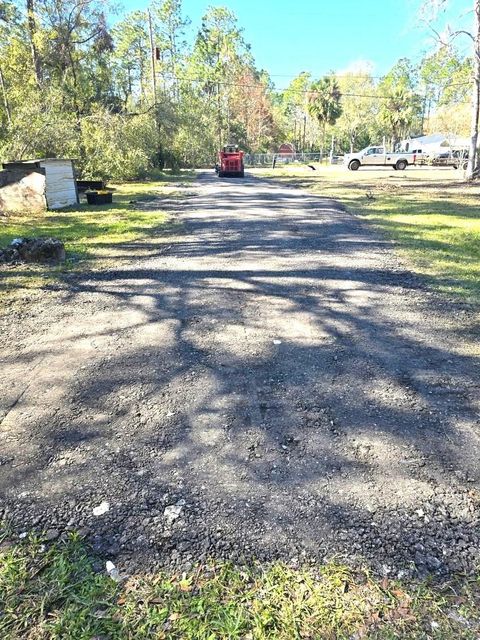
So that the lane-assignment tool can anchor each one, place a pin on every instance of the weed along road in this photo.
(274, 385)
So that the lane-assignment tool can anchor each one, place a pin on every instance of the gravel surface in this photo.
(273, 385)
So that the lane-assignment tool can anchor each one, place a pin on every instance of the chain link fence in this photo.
(268, 159)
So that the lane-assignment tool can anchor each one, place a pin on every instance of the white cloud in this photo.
(358, 67)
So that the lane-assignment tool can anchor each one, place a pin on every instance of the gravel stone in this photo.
(153, 383)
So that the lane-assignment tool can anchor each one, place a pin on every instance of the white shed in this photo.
(60, 187)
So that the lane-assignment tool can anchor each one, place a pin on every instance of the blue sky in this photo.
(290, 36)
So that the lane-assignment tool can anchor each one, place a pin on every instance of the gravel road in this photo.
(272, 384)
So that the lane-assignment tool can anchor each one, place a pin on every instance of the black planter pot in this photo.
(93, 197)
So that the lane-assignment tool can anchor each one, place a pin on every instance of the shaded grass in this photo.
(55, 593)
(431, 214)
(89, 232)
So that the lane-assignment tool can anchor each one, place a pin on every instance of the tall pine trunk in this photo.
(32, 32)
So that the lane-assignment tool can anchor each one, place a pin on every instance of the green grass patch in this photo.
(90, 232)
(85, 228)
(55, 593)
(433, 217)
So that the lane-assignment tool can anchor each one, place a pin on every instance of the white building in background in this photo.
(435, 144)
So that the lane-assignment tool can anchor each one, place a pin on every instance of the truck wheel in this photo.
(242, 174)
(354, 165)
(401, 165)
(220, 174)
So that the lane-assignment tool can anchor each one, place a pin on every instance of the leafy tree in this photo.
(130, 58)
(434, 8)
(252, 123)
(359, 119)
(324, 103)
(401, 107)
(219, 55)
(71, 85)
(170, 40)
(445, 76)
(294, 112)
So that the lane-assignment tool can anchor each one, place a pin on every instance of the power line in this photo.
(258, 85)
(345, 74)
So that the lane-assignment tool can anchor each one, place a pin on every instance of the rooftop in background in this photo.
(442, 139)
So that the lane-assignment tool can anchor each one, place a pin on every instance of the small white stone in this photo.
(172, 512)
(102, 508)
(112, 570)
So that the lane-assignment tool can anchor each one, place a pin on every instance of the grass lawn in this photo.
(55, 593)
(430, 213)
(89, 232)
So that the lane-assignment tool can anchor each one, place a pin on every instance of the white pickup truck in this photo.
(376, 156)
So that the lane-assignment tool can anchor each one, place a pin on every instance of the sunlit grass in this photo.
(89, 232)
(85, 228)
(433, 217)
(55, 593)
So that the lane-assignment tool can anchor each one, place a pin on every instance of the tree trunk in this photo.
(324, 131)
(5, 98)
(473, 154)
(32, 30)
(141, 57)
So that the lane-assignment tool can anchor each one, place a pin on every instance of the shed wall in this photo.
(60, 186)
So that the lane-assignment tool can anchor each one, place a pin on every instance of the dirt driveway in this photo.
(276, 385)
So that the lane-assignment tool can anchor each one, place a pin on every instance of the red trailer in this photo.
(230, 162)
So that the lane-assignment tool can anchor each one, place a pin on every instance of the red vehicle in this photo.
(230, 162)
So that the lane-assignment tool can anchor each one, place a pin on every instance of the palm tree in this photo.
(324, 103)
(399, 113)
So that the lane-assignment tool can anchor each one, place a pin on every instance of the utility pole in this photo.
(154, 91)
(473, 154)
(152, 56)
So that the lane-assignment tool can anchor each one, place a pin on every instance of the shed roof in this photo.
(37, 161)
(49, 160)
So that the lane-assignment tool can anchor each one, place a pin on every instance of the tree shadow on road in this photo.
(297, 389)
